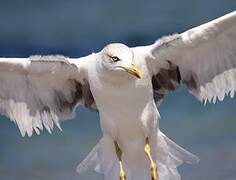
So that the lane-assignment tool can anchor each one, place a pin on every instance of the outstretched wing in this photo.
(40, 91)
(203, 58)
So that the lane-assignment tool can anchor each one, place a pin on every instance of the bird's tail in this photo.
(169, 156)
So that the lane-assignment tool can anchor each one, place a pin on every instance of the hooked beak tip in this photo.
(135, 71)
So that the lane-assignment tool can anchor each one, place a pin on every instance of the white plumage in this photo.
(41, 91)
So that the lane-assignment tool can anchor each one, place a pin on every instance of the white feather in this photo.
(27, 90)
(208, 53)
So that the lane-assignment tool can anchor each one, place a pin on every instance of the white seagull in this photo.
(125, 86)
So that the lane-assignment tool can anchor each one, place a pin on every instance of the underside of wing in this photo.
(40, 91)
(167, 79)
(205, 57)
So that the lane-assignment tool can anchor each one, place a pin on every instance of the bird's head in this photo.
(118, 59)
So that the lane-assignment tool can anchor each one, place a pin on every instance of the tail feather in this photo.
(90, 162)
(169, 156)
(178, 154)
(102, 158)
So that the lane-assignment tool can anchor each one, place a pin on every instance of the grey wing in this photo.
(41, 91)
(203, 58)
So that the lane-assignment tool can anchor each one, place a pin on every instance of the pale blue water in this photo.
(76, 28)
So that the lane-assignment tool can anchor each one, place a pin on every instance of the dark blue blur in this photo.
(76, 28)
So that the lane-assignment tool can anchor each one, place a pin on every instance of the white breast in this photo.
(122, 106)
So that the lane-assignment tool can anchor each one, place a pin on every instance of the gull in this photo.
(125, 86)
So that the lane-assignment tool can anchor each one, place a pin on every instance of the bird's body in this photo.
(128, 92)
(130, 126)
(126, 86)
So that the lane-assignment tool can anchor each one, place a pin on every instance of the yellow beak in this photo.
(134, 71)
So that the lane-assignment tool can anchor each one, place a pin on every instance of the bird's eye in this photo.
(115, 58)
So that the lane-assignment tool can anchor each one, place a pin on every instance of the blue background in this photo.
(76, 28)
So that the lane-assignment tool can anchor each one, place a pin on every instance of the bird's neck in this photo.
(112, 77)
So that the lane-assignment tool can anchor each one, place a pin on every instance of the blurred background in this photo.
(76, 28)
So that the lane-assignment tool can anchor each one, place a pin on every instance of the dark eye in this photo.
(115, 58)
